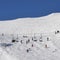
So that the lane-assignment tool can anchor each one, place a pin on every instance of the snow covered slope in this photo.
(30, 38)
(31, 25)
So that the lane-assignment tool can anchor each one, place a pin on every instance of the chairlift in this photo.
(34, 39)
(28, 41)
(25, 36)
(40, 40)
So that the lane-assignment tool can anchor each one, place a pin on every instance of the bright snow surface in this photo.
(30, 38)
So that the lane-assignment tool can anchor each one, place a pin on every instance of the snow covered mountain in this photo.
(30, 38)
(31, 25)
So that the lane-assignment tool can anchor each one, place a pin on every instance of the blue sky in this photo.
(12, 9)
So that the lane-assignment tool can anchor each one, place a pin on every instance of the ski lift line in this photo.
(36, 33)
(26, 34)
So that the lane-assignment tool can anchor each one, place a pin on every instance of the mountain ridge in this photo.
(31, 25)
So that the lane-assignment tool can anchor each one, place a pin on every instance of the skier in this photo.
(2, 34)
(47, 38)
(32, 45)
(21, 41)
(57, 31)
(28, 50)
(46, 46)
